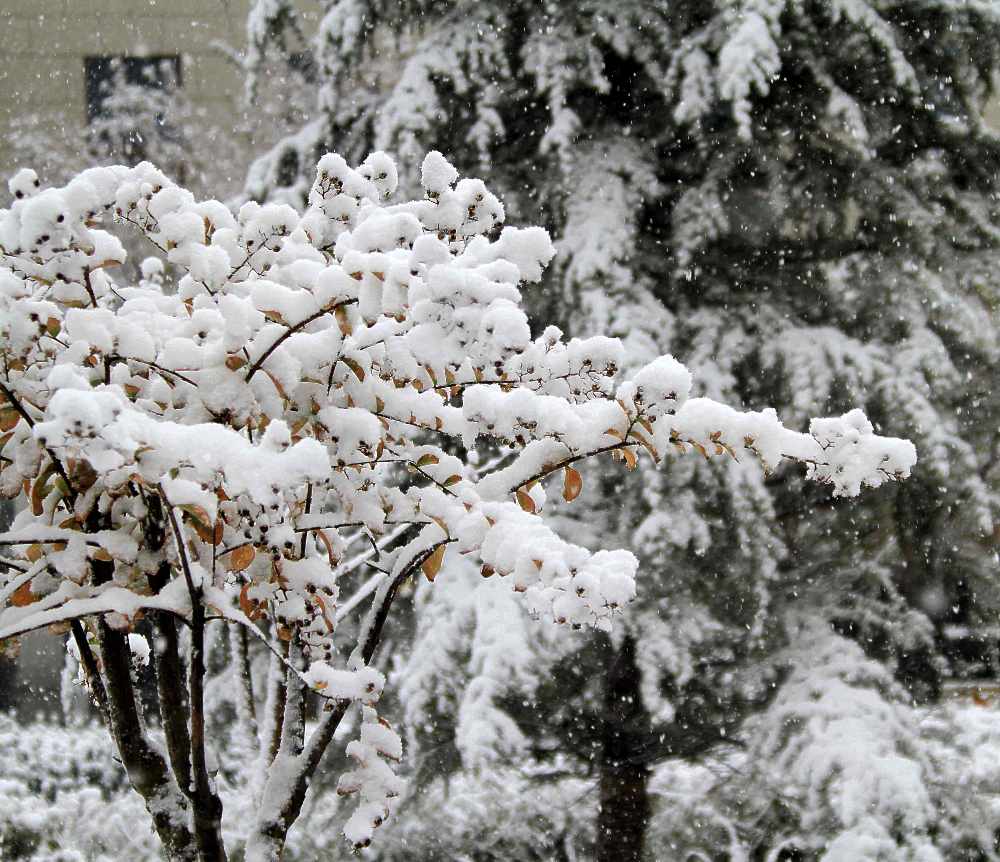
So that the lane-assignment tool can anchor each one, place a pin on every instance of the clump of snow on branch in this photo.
(371, 778)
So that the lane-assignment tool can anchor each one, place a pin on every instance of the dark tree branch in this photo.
(16, 404)
(90, 669)
(276, 829)
(205, 801)
(170, 688)
(155, 367)
(240, 644)
(278, 705)
(288, 333)
(147, 770)
(293, 724)
(305, 511)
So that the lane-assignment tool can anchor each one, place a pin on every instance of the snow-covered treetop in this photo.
(310, 375)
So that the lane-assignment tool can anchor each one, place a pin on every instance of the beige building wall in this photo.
(43, 44)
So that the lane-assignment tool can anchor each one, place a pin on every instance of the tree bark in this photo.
(170, 688)
(147, 770)
(205, 801)
(267, 840)
(624, 775)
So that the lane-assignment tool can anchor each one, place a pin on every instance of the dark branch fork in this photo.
(274, 830)
(23, 413)
(207, 806)
(290, 331)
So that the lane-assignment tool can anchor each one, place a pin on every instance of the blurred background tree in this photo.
(806, 197)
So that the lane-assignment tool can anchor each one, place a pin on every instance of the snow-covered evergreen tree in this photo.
(841, 767)
(802, 195)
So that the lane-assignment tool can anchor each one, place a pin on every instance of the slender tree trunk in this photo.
(299, 758)
(624, 775)
(148, 772)
(8, 667)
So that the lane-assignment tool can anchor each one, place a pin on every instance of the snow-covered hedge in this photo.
(840, 767)
(63, 799)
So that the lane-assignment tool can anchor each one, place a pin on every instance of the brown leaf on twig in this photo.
(572, 485)
(432, 565)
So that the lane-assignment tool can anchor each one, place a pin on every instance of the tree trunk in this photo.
(624, 775)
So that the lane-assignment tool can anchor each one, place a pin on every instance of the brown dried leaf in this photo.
(241, 558)
(343, 321)
(276, 316)
(647, 445)
(39, 491)
(572, 485)
(23, 596)
(325, 539)
(359, 372)
(432, 565)
(277, 385)
(525, 501)
(328, 619)
(248, 605)
(9, 418)
(199, 519)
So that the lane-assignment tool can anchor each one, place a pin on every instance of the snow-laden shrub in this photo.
(495, 815)
(840, 767)
(210, 448)
(63, 799)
